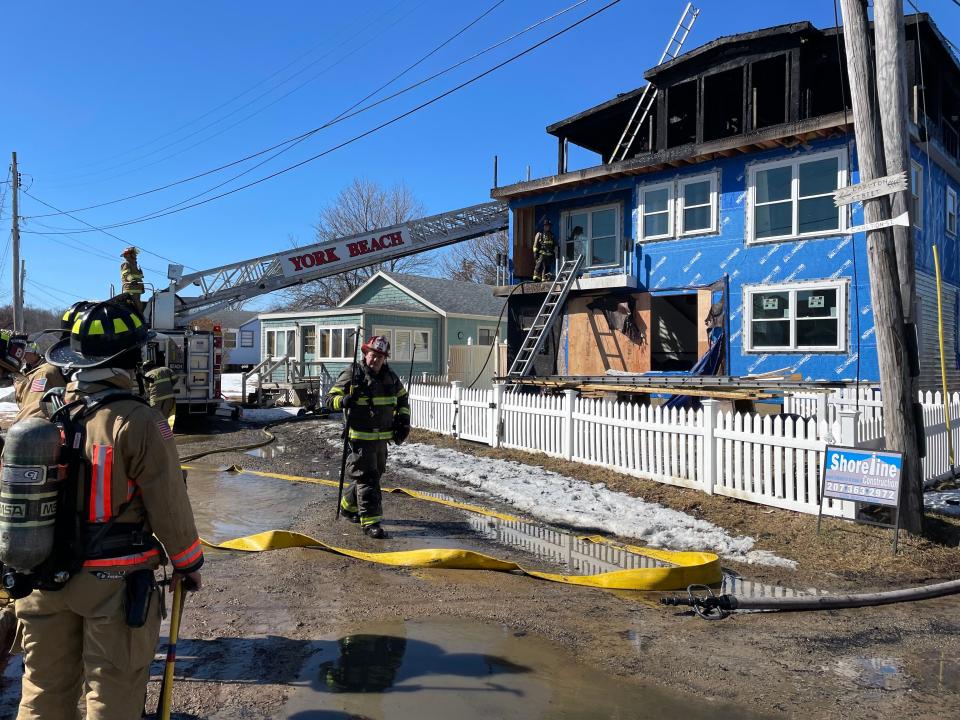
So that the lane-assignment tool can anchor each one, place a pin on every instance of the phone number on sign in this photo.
(860, 490)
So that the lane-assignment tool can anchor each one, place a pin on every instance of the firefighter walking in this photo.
(544, 252)
(377, 410)
(91, 624)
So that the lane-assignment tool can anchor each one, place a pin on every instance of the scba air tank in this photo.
(28, 493)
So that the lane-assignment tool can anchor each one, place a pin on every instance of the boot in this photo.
(374, 531)
(350, 515)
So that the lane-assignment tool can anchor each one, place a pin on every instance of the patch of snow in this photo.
(9, 408)
(268, 415)
(560, 499)
(946, 502)
(7, 393)
(231, 385)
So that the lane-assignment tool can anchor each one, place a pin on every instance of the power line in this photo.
(377, 128)
(293, 141)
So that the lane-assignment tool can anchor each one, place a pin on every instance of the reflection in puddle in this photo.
(468, 670)
(268, 451)
(230, 505)
(883, 673)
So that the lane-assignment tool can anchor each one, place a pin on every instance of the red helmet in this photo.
(377, 344)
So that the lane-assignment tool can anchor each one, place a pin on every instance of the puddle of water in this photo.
(467, 670)
(939, 670)
(268, 451)
(230, 505)
(881, 673)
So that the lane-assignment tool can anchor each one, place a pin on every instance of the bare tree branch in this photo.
(475, 260)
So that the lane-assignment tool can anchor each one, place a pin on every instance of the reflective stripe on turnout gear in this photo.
(376, 435)
(101, 482)
(347, 505)
(371, 520)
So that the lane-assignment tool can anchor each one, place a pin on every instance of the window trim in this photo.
(493, 331)
(951, 193)
(422, 355)
(345, 343)
(244, 334)
(670, 187)
(841, 285)
(843, 179)
(916, 219)
(714, 179)
(618, 233)
(227, 336)
(281, 328)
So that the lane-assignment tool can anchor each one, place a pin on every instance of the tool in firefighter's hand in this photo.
(176, 612)
(346, 416)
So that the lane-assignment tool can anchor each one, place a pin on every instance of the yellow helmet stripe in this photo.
(136, 321)
(96, 328)
(119, 326)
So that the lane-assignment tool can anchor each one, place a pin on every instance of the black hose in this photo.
(250, 446)
(713, 606)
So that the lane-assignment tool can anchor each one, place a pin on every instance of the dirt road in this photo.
(308, 634)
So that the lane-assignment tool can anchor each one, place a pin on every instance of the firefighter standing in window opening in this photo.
(544, 253)
(131, 277)
(377, 411)
(161, 383)
(37, 381)
(90, 609)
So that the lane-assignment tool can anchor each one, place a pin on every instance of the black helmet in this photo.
(71, 314)
(100, 334)
(12, 348)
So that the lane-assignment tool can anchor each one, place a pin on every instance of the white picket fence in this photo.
(773, 461)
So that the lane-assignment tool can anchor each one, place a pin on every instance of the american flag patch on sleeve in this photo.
(38, 385)
(165, 430)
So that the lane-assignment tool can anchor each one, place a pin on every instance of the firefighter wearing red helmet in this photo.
(377, 410)
(92, 637)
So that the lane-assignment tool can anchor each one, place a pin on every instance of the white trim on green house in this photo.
(397, 285)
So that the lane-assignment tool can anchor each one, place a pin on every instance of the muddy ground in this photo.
(251, 634)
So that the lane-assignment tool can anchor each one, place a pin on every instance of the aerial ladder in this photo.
(194, 353)
(649, 95)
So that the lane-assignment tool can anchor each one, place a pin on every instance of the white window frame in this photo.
(714, 179)
(670, 187)
(283, 329)
(346, 343)
(951, 205)
(246, 338)
(229, 339)
(916, 194)
(794, 163)
(493, 332)
(588, 231)
(420, 354)
(843, 311)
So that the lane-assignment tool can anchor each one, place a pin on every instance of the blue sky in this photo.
(111, 98)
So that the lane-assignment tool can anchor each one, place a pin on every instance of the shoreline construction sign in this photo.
(868, 477)
(385, 242)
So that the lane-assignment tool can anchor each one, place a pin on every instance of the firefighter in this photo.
(377, 411)
(544, 252)
(131, 277)
(32, 385)
(97, 634)
(161, 383)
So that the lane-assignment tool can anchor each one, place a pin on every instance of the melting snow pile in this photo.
(560, 499)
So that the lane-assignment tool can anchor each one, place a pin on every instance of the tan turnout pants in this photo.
(78, 637)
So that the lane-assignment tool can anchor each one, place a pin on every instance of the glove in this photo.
(347, 401)
(400, 432)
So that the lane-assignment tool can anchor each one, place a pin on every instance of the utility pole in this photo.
(15, 241)
(892, 347)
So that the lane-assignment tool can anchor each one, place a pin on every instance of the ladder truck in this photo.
(196, 354)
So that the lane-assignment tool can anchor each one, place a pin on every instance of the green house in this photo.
(421, 316)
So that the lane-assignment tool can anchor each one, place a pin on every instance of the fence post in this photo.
(569, 400)
(708, 458)
(823, 418)
(849, 419)
(456, 395)
(497, 412)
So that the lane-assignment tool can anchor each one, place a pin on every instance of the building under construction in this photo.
(712, 211)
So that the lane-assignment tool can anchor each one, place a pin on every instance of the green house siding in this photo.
(462, 329)
(381, 292)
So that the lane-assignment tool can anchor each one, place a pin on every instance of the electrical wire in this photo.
(362, 135)
(348, 114)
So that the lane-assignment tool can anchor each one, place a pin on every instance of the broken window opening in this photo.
(723, 104)
(682, 114)
(824, 79)
(674, 335)
(769, 92)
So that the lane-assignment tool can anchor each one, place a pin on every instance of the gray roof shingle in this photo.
(452, 296)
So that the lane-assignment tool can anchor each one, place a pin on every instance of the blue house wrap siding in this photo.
(672, 265)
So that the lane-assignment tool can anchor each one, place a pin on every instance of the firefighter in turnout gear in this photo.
(376, 409)
(96, 634)
(161, 383)
(544, 253)
(131, 277)
(34, 383)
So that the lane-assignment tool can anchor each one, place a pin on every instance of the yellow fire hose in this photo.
(686, 568)
(176, 611)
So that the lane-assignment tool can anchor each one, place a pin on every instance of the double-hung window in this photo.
(795, 317)
(594, 233)
(686, 206)
(229, 339)
(282, 342)
(334, 343)
(402, 340)
(794, 198)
